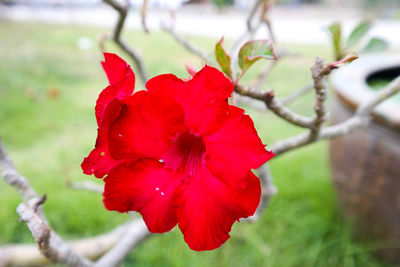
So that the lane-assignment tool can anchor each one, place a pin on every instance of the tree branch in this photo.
(319, 71)
(135, 233)
(274, 105)
(361, 118)
(86, 185)
(116, 36)
(251, 14)
(268, 189)
(12, 176)
(262, 76)
(297, 94)
(143, 13)
(185, 43)
(50, 244)
(91, 248)
(383, 94)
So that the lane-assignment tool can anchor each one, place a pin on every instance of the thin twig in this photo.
(132, 237)
(254, 93)
(50, 244)
(12, 176)
(246, 35)
(264, 18)
(86, 185)
(383, 94)
(91, 248)
(297, 94)
(274, 105)
(361, 118)
(251, 14)
(271, 32)
(268, 189)
(143, 14)
(262, 76)
(184, 42)
(116, 36)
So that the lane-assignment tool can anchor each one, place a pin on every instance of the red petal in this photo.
(235, 148)
(148, 123)
(116, 68)
(119, 90)
(99, 160)
(206, 208)
(199, 97)
(147, 187)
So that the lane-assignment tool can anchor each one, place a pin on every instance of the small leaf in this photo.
(223, 59)
(375, 44)
(253, 51)
(348, 59)
(358, 33)
(336, 31)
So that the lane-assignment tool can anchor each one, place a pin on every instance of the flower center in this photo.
(186, 153)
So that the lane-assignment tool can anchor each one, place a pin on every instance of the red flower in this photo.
(178, 153)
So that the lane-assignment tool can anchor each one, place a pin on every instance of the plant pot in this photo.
(366, 163)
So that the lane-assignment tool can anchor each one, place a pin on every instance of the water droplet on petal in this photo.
(157, 188)
(162, 193)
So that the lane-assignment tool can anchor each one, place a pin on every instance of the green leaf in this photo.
(375, 44)
(253, 51)
(223, 59)
(358, 33)
(336, 32)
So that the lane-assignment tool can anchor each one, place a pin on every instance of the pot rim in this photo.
(350, 85)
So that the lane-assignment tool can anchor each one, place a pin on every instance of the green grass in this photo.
(49, 136)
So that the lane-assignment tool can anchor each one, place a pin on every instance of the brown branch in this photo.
(50, 244)
(265, 96)
(275, 105)
(12, 176)
(134, 234)
(361, 118)
(86, 185)
(297, 94)
(271, 32)
(143, 13)
(184, 42)
(319, 71)
(251, 14)
(91, 248)
(116, 36)
(262, 76)
(268, 189)
(383, 94)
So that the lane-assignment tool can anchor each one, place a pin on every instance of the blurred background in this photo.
(50, 77)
